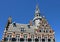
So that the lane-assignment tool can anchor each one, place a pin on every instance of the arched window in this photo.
(39, 38)
(36, 39)
(46, 31)
(21, 39)
(49, 40)
(9, 36)
(29, 39)
(43, 40)
(14, 39)
(39, 30)
(18, 37)
(5, 39)
(25, 36)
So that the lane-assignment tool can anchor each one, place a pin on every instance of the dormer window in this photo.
(39, 30)
(28, 26)
(14, 24)
(22, 29)
(37, 15)
(40, 18)
(46, 31)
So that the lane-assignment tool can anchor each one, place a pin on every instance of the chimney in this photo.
(31, 23)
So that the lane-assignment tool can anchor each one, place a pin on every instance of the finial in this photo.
(37, 11)
(31, 23)
(10, 19)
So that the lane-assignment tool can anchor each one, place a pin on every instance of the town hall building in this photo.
(38, 30)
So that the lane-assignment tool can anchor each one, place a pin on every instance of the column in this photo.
(25, 40)
(51, 40)
(39, 39)
(8, 38)
(32, 40)
(16, 39)
(45, 39)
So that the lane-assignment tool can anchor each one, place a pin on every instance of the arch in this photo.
(13, 39)
(21, 39)
(43, 40)
(36, 39)
(29, 39)
(49, 39)
(5, 39)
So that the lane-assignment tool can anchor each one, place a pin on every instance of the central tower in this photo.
(37, 17)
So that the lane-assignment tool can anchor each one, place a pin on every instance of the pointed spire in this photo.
(37, 11)
(10, 19)
(9, 22)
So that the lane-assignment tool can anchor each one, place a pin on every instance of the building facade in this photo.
(38, 30)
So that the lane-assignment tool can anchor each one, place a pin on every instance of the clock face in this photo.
(37, 22)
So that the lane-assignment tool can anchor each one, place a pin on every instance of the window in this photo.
(18, 37)
(22, 30)
(53, 40)
(46, 31)
(43, 40)
(42, 25)
(13, 39)
(39, 30)
(21, 39)
(5, 39)
(25, 36)
(40, 18)
(49, 40)
(14, 24)
(29, 39)
(9, 36)
(36, 40)
(32, 36)
(37, 15)
(51, 31)
(28, 26)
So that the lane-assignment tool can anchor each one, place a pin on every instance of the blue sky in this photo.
(23, 10)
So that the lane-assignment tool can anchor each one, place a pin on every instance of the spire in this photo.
(37, 17)
(10, 19)
(37, 11)
(9, 22)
